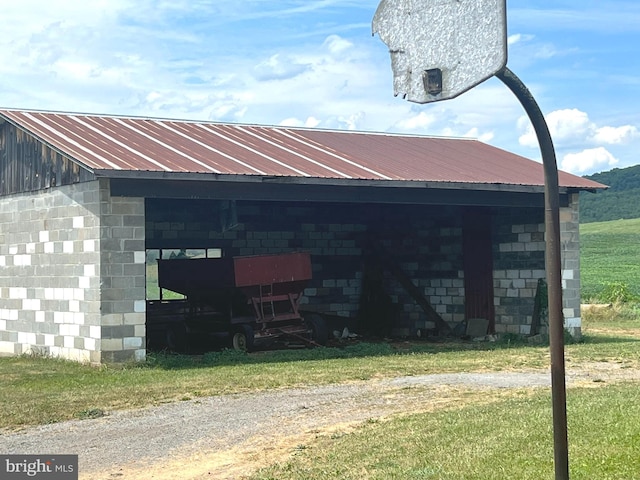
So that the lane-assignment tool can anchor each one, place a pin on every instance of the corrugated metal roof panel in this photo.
(140, 144)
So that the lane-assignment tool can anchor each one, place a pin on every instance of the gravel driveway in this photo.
(229, 436)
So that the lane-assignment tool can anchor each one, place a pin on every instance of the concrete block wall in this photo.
(49, 273)
(72, 274)
(519, 262)
(122, 273)
(570, 244)
(426, 242)
(428, 247)
(446, 296)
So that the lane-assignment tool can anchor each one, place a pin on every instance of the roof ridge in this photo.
(232, 124)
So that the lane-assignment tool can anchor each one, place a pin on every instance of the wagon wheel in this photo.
(242, 338)
(319, 330)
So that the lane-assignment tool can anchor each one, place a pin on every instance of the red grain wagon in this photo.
(249, 299)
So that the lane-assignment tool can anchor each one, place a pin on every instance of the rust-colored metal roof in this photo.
(109, 143)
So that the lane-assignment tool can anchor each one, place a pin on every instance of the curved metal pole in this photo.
(554, 270)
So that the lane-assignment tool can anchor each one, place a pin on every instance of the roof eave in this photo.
(297, 180)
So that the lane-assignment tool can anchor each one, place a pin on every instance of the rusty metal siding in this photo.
(26, 164)
(109, 143)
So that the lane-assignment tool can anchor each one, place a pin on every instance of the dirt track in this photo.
(230, 436)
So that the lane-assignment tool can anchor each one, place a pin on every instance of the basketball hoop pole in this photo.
(554, 270)
(442, 49)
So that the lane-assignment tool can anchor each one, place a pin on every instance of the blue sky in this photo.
(315, 63)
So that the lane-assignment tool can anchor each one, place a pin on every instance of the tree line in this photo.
(620, 201)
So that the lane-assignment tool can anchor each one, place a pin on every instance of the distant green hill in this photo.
(620, 200)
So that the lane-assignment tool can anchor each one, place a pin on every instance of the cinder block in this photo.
(518, 247)
(95, 331)
(135, 246)
(118, 356)
(120, 331)
(134, 319)
(111, 345)
(524, 237)
(112, 319)
(132, 342)
(527, 293)
(69, 330)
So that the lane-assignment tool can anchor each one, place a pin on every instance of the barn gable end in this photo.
(27, 164)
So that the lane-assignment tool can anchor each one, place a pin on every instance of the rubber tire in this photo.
(242, 338)
(319, 329)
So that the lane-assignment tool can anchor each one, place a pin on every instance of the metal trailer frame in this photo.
(253, 299)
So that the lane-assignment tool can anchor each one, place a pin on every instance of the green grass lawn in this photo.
(501, 436)
(492, 435)
(610, 253)
(509, 438)
(42, 390)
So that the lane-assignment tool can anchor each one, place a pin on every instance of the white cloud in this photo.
(588, 160)
(572, 127)
(336, 44)
(479, 114)
(513, 39)
(310, 122)
(420, 122)
(546, 51)
(483, 137)
(580, 142)
(472, 133)
(348, 122)
(616, 135)
(278, 67)
(425, 123)
(566, 126)
(518, 38)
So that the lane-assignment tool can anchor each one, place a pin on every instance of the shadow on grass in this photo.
(600, 339)
(363, 349)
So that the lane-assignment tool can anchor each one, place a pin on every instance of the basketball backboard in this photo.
(442, 48)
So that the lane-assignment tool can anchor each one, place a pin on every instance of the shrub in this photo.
(616, 292)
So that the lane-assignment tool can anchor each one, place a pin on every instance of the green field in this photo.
(609, 254)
